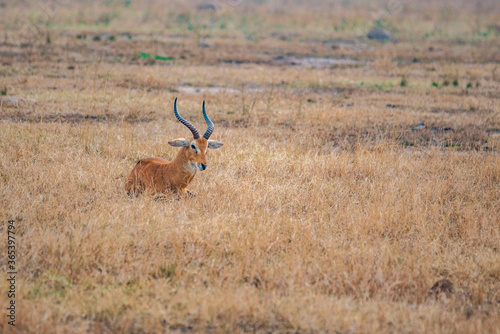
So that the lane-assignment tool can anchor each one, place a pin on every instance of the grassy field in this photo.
(325, 210)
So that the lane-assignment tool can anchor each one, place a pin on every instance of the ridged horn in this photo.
(209, 122)
(190, 126)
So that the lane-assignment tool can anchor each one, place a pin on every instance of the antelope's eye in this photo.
(193, 147)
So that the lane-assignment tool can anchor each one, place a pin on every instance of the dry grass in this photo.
(323, 212)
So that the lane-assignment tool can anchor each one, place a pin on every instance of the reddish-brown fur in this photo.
(155, 175)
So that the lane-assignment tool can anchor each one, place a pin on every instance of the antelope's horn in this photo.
(209, 122)
(190, 126)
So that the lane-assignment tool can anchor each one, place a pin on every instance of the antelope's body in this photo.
(156, 176)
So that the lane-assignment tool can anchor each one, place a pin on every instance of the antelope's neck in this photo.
(183, 164)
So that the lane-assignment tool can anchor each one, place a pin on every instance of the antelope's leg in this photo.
(161, 198)
(189, 193)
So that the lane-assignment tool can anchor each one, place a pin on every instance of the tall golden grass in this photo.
(325, 211)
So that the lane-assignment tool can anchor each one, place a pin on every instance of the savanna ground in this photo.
(325, 211)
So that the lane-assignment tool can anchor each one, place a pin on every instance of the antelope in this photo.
(159, 176)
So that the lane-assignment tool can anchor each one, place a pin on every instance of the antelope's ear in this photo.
(214, 144)
(181, 142)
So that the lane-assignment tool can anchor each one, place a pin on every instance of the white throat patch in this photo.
(193, 167)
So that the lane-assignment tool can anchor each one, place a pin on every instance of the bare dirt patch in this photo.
(318, 62)
(20, 117)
